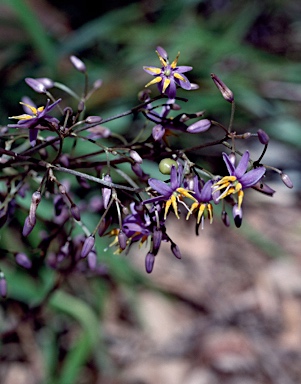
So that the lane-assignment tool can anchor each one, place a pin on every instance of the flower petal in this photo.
(252, 177)
(229, 165)
(183, 68)
(161, 187)
(242, 165)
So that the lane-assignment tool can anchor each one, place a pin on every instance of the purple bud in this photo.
(225, 91)
(36, 198)
(263, 137)
(97, 84)
(246, 135)
(225, 219)
(58, 205)
(136, 168)
(93, 119)
(78, 64)
(200, 126)
(157, 238)
(87, 246)
(194, 86)
(286, 180)
(92, 259)
(75, 212)
(3, 285)
(28, 226)
(158, 132)
(135, 156)
(36, 85)
(237, 215)
(103, 226)
(176, 250)
(122, 239)
(106, 192)
(48, 83)
(23, 260)
(149, 262)
(80, 106)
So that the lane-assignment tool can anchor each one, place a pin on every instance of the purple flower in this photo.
(170, 194)
(203, 195)
(169, 75)
(35, 118)
(239, 178)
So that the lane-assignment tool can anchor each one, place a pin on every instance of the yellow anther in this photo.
(154, 70)
(165, 84)
(200, 213)
(179, 76)
(154, 81)
(183, 192)
(175, 62)
(240, 196)
(163, 62)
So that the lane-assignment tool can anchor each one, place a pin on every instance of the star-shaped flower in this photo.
(169, 75)
(238, 179)
(203, 195)
(171, 194)
(35, 118)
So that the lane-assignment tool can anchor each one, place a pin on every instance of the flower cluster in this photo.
(132, 207)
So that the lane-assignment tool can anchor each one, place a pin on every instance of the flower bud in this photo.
(122, 239)
(3, 285)
(36, 85)
(225, 219)
(78, 64)
(93, 119)
(199, 127)
(28, 226)
(176, 250)
(237, 215)
(158, 132)
(87, 246)
(97, 84)
(286, 180)
(106, 192)
(157, 238)
(136, 168)
(75, 212)
(48, 83)
(135, 156)
(149, 262)
(103, 226)
(58, 205)
(23, 260)
(92, 259)
(225, 91)
(246, 135)
(263, 137)
(80, 106)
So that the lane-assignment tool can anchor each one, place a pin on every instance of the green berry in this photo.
(166, 164)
